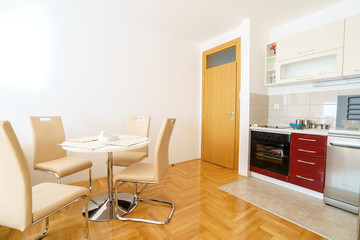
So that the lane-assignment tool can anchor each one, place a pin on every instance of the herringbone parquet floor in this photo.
(202, 212)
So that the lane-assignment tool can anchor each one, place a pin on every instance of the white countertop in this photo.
(290, 130)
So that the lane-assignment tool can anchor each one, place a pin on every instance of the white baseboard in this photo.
(288, 185)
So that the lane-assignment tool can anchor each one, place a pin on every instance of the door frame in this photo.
(235, 42)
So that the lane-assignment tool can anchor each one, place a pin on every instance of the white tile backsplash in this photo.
(329, 97)
(278, 112)
(258, 108)
(319, 107)
(277, 121)
(277, 99)
(322, 111)
(298, 99)
(299, 112)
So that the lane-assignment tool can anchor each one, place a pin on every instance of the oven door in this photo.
(271, 159)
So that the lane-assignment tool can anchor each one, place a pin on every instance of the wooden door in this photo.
(220, 118)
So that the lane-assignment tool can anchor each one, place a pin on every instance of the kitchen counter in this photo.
(323, 132)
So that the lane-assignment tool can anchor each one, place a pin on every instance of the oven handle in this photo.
(345, 145)
(267, 143)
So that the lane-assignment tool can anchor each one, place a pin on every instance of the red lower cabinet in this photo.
(306, 177)
(307, 163)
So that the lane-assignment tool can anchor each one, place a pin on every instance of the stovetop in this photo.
(277, 126)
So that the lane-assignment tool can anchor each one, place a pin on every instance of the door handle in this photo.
(230, 113)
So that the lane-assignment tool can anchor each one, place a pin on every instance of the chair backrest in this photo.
(15, 183)
(48, 132)
(138, 126)
(161, 154)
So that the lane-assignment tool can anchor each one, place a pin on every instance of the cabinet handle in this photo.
(305, 78)
(311, 163)
(309, 179)
(305, 139)
(309, 50)
(308, 151)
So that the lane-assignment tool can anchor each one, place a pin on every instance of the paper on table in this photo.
(83, 139)
(127, 141)
(86, 145)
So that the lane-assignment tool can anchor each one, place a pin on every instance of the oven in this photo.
(270, 154)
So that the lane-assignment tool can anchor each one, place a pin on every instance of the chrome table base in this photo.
(102, 208)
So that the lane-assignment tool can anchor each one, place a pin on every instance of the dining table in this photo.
(102, 208)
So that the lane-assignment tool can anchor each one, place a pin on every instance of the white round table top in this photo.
(109, 148)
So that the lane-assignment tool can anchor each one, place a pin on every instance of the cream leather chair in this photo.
(148, 173)
(49, 157)
(22, 205)
(137, 126)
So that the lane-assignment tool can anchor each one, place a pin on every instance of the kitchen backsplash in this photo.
(319, 107)
(259, 105)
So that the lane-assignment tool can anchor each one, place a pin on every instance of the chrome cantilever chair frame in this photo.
(51, 118)
(59, 178)
(130, 130)
(136, 199)
(73, 201)
(17, 183)
(158, 169)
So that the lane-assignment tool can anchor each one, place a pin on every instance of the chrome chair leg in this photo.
(44, 232)
(136, 200)
(47, 217)
(86, 218)
(142, 186)
(149, 220)
(90, 179)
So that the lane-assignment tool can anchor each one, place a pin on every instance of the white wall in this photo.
(244, 33)
(93, 66)
(257, 70)
(339, 11)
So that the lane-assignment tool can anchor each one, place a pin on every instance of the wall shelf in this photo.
(270, 63)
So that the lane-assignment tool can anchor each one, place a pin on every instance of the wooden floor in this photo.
(202, 212)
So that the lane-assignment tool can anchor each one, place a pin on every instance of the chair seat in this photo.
(137, 172)
(65, 166)
(48, 197)
(127, 158)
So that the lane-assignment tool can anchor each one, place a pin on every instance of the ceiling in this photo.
(203, 20)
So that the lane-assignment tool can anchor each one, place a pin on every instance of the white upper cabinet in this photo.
(317, 40)
(351, 66)
(325, 65)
